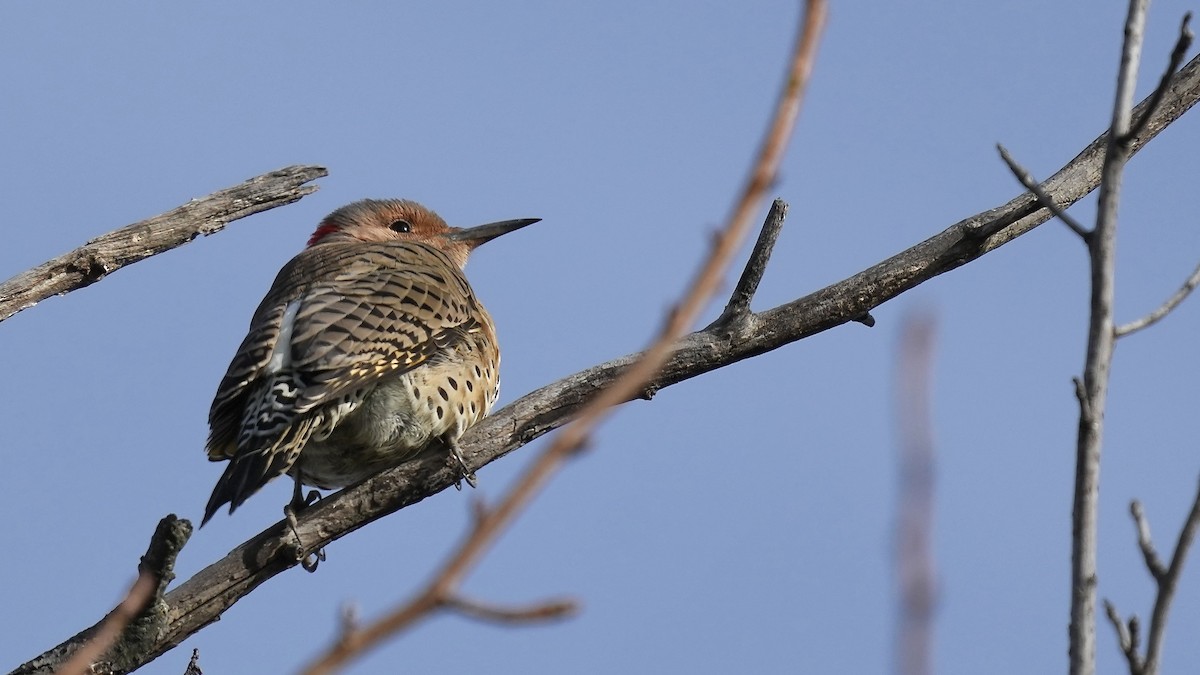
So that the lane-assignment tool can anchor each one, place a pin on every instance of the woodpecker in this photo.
(369, 349)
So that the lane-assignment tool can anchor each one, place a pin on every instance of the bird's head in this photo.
(376, 220)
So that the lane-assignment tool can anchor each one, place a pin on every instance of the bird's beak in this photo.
(474, 236)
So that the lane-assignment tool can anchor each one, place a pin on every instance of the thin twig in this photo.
(193, 666)
(1098, 361)
(110, 252)
(202, 599)
(1043, 198)
(1166, 308)
(1125, 639)
(1182, 45)
(747, 285)
(914, 526)
(550, 610)
(1153, 562)
(495, 520)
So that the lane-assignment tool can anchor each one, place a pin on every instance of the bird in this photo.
(369, 349)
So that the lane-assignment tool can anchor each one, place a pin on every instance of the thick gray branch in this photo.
(200, 600)
(110, 252)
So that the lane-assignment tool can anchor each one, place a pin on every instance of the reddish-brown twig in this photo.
(915, 578)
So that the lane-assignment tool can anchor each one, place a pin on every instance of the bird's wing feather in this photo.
(385, 313)
(365, 311)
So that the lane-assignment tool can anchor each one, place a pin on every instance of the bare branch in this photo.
(550, 610)
(1167, 584)
(193, 666)
(110, 252)
(1182, 45)
(634, 379)
(1167, 580)
(1153, 563)
(914, 526)
(1163, 310)
(200, 600)
(1098, 361)
(1044, 199)
(739, 302)
(1126, 639)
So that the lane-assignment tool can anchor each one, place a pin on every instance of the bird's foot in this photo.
(464, 472)
(299, 504)
(308, 561)
(302, 501)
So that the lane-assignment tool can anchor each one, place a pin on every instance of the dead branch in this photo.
(1167, 584)
(747, 285)
(1101, 243)
(1166, 578)
(1031, 184)
(193, 666)
(1163, 310)
(1182, 44)
(1145, 543)
(200, 600)
(110, 252)
(1127, 637)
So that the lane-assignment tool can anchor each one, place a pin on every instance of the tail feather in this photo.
(248, 472)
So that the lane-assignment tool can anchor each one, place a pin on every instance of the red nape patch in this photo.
(322, 230)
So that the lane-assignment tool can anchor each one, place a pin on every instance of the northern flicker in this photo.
(369, 349)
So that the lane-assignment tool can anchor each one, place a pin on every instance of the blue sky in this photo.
(738, 522)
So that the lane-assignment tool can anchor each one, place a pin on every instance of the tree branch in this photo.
(1163, 310)
(1166, 578)
(550, 610)
(200, 600)
(1145, 543)
(1167, 583)
(1126, 638)
(1098, 361)
(110, 252)
(1182, 44)
(1044, 199)
(747, 285)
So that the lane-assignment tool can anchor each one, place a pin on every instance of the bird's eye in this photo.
(401, 226)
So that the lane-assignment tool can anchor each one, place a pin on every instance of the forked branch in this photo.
(1166, 578)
